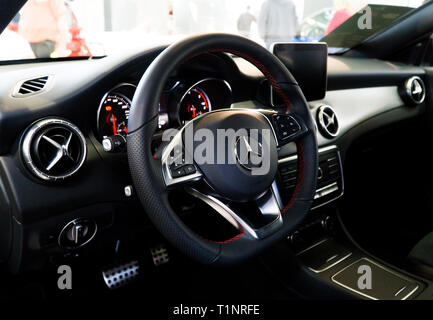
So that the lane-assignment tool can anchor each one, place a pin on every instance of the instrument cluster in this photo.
(180, 102)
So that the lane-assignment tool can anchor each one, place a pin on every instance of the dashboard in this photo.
(95, 97)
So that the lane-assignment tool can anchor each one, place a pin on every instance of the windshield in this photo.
(83, 28)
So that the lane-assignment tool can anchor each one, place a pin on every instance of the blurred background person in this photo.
(277, 21)
(245, 21)
(44, 24)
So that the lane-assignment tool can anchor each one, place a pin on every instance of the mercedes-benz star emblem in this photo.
(248, 153)
(329, 120)
(62, 151)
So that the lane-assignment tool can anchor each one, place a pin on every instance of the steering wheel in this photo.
(217, 183)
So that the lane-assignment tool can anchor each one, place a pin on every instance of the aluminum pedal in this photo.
(159, 255)
(121, 275)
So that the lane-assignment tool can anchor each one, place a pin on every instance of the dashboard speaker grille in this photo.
(53, 149)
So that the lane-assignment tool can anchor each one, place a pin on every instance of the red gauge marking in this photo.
(113, 119)
(203, 97)
(193, 111)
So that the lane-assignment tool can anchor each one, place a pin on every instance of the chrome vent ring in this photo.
(53, 149)
(414, 90)
(327, 122)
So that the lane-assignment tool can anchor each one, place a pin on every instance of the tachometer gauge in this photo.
(113, 115)
(193, 104)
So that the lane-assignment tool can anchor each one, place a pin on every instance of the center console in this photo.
(323, 249)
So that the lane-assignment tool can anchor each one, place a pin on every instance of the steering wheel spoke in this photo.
(255, 225)
(176, 169)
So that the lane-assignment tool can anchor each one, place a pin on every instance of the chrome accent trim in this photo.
(323, 126)
(74, 222)
(313, 246)
(295, 157)
(410, 94)
(276, 192)
(328, 189)
(379, 266)
(27, 143)
(323, 150)
(268, 206)
(331, 265)
(222, 209)
(47, 86)
(400, 291)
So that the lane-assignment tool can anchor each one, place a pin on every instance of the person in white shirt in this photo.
(277, 21)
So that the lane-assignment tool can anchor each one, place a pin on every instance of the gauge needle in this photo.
(193, 111)
(113, 119)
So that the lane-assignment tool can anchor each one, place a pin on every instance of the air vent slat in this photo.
(37, 83)
(31, 86)
(24, 90)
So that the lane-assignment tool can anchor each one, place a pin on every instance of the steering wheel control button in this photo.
(190, 169)
(77, 233)
(129, 191)
(178, 173)
(182, 170)
(287, 126)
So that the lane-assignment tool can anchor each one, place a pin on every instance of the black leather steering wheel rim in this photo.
(147, 172)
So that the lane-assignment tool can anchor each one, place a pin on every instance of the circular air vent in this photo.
(327, 122)
(414, 91)
(53, 149)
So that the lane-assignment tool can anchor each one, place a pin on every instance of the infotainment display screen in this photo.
(308, 63)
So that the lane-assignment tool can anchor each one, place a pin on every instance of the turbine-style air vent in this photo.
(413, 92)
(327, 122)
(30, 87)
(53, 149)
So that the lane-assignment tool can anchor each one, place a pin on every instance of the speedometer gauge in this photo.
(193, 104)
(113, 115)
